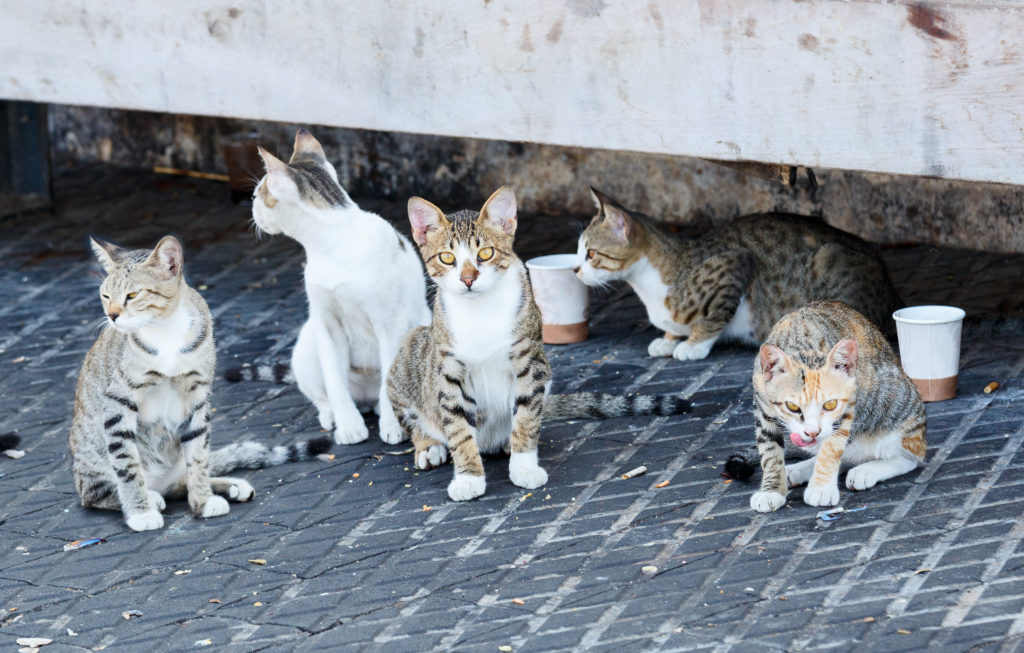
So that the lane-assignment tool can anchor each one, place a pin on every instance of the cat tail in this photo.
(596, 405)
(9, 441)
(276, 373)
(253, 455)
(742, 464)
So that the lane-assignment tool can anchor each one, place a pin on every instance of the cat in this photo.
(735, 282)
(365, 286)
(141, 424)
(827, 380)
(476, 380)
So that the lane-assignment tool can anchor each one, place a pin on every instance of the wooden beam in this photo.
(925, 89)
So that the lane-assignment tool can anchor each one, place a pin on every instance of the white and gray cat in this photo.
(365, 287)
(141, 425)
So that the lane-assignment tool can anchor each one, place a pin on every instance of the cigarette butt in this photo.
(991, 387)
(427, 508)
(635, 472)
(662, 484)
(258, 561)
(519, 601)
(868, 620)
(902, 631)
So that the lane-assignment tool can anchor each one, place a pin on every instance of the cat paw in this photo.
(145, 521)
(352, 431)
(861, 478)
(465, 487)
(156, 500)
(215, 506)
(241, 491)
(527, 477)
(767, 501)
(821, 495)
(661, 347)
(391, 431)
(432, 456)
(326, 419)
(685, 351)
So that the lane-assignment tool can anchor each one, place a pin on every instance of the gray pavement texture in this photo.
(383, 561)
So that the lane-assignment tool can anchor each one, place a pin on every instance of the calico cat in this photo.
(829, 382)
(141, 424)
(476, 379)
(735, 282)
(364, 283)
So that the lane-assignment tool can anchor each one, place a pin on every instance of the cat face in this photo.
(608, 246)
(298, 190)
(809, 400)
(142, 286)
(466, 253)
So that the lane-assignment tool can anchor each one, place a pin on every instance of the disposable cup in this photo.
(929, 338)
(563, 299)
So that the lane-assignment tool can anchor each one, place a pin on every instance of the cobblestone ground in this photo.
(364, 553)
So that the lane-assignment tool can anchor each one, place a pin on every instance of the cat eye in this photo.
(131, 295)
(829, 405)
(792, 407)
(591, 254)
(486, 254)
(447, 258)
(105, 296)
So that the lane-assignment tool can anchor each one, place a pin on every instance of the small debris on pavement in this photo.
(991, 387)
(325, 457)
(519, 601)
(14, 453)
(832, 514)
(902, 631)
(923, 570)
(427, 508)
(356, 475)
(203, 642)
(81, 544)
(182, 572)
(505, 648)
(649, 570)
(258, 604)
(635, 472)
(19, 359)
(525, 497)
(868, 620)
(402, 452)
(214, 601)
(258, 561)
(128, 614)
(72, 633)
(662, 484)
(33, 642)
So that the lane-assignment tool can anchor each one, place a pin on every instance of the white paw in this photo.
(326, 419)
(465, 487)
(685, 351)
(861, 478)
(798, 474)
(241, 491)
(661, 347)
(524, 471)
(351, 431)
(432, 456)
(215, 507)
(391, 431)
(156, 500)
(821, 495)
(145, 521)
(767, 501)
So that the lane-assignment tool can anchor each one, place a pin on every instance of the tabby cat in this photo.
(829, 382)
(365, 287)
(735, 282)
(141, 424)
(476, 379)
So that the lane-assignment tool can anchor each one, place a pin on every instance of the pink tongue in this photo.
(798, 440)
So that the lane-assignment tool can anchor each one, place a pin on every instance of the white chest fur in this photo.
(162, 404)
(168, 338)
(646, 282)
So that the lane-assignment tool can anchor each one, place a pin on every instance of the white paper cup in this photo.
(563, 299)
(929, 339)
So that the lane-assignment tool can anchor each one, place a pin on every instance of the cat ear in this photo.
(306, 144)
(500, 210)
(618, 218)
(106, 253)
(773, 361)
(167, 257)
(843, 356)
(424, 218)
(279, 179)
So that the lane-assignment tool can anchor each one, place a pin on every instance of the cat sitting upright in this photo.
(364, 283)
(734, 282)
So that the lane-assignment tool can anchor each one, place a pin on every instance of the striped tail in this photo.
(277, 373)
(253, 455)
(596, 405)
(9, 441)
(742, 464)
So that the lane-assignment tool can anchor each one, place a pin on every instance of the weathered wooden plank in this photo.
(887, 87)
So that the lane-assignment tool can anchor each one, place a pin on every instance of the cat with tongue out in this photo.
(826, 376)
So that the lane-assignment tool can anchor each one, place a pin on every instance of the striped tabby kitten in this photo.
(364, 283)
(735, 282)
(829, 382)
(141, 424)
(476, 379)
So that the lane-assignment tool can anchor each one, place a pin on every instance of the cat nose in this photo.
(113, 316)
(576, 269)
(812, 434)
(468, 281)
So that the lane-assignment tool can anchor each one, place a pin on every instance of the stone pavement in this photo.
(365, 553)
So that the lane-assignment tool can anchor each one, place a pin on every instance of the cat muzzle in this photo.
(801, 440)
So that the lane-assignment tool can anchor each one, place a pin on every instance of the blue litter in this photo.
(832, 514)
